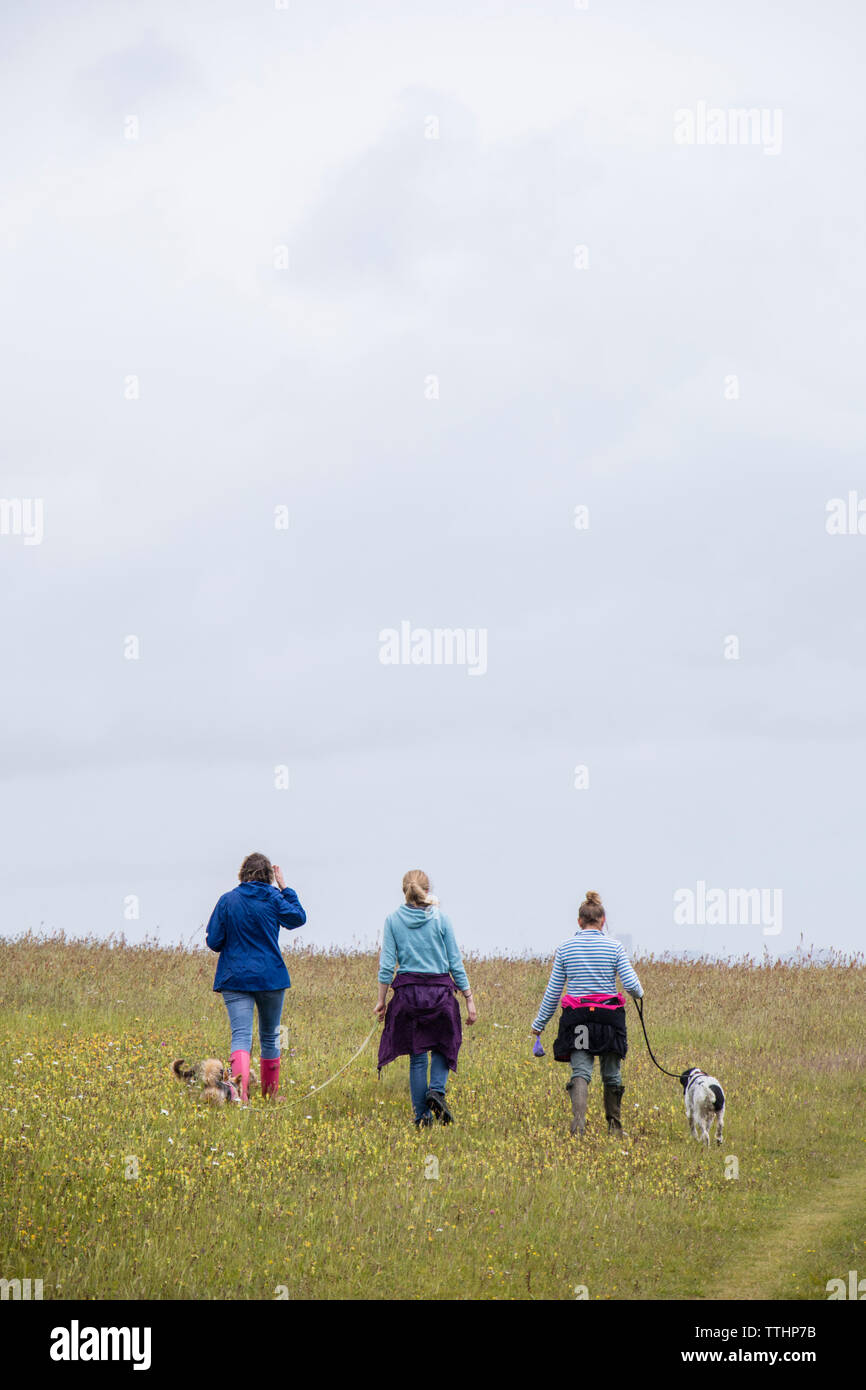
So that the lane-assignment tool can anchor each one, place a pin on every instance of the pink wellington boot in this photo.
(240, 1067)
(269, 1070)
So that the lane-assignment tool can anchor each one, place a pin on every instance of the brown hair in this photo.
(256, 868)
(591, 909)
(416, 886)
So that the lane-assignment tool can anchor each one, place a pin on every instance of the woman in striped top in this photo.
(588, 964)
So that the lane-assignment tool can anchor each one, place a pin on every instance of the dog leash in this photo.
(638, 1003)
(307, 1094)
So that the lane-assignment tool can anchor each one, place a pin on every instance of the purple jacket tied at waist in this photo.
(422, 1015)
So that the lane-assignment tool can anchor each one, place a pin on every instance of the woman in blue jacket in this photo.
(422, 1016)
(251, 973)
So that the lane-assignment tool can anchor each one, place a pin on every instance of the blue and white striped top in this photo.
(588, 963)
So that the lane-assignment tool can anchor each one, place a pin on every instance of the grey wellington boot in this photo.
(613, 1111)
(579, 1088)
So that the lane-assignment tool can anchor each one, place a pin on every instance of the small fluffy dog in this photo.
(210, 1079)
(705, 1102)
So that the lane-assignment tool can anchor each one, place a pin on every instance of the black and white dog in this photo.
(705, 1102)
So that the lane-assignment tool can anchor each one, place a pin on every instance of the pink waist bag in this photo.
(593, 1001)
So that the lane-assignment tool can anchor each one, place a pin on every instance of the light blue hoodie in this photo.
(420, 939)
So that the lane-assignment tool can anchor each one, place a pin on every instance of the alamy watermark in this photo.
(846, 516)
(729, 907)
(729, 125)
(856, 1288)
(24, 517)
(19, 1289)
(437, 646)
(77, 1343)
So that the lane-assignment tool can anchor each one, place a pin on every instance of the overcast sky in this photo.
(429, 278)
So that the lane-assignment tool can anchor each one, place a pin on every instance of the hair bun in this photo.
(593, 897)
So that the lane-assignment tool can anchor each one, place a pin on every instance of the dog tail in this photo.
(180, 1069)
(719, 1095)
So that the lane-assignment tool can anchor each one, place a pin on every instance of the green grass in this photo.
(330, 1198)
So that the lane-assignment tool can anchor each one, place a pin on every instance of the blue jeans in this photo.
(418, 1084)
(241, 1005)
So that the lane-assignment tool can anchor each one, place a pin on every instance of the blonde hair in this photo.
(416, 887)
(591, 909)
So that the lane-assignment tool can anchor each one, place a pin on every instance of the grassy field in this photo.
(336, 1196)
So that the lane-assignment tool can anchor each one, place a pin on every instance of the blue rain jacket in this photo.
(245, 929)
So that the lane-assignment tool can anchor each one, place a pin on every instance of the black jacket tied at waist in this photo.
(605, 1032)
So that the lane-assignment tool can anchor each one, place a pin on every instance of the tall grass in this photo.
(338, 1196)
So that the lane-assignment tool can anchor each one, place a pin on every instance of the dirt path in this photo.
(763, 1273)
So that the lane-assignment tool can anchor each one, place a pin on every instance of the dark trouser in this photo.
(609, 1065)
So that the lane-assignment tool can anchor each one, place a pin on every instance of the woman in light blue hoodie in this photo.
(423, 1016)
